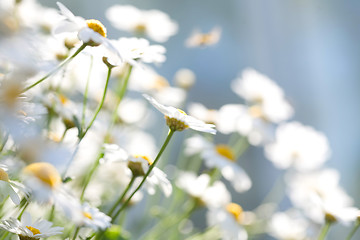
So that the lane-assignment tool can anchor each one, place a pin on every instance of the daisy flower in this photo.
(229, 220)
(28, 230)
(299, 146)
(155, 24)
(199, 39)
(178, 120)
(138, 166)
(93, 218)
(184, 78)
(220, 156)
(7, 187)
(92, 32)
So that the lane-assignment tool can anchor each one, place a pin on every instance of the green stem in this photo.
(126, 81)
(86, 94)
(353, 231)
(324, 230)
(4, 236)
(121, 198)
(89, 175)
(76, 233)
(240, 146)
(66, 61)
(100, 105)
(4, 141)
(23, 210)
(171, 132)
(52, 211)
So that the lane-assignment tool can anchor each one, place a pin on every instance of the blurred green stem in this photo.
(353, 231)
(86, 94)
(324, 230)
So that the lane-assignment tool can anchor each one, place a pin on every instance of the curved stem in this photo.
(100, 105)
(324, 230)
(353, 231)
(121, 198)
(171, 132)
(76, 233)
(66, 61)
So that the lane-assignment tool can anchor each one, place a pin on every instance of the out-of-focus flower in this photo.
(320, 196)
(138, 165)
(265, 97)
(28, 230)
(184, 78)
(178, 120)
(135, 50)
(7, 187)
(200, 39)
(288, 225)
(202, 113)
(228, 219)
(220, 156)
(298, 146)
(93, 218)
(155, 24)
(199, 187)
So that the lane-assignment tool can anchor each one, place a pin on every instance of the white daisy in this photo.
(220, 156)
(229, 220)
(298, 146)
(264, 95)
(28, 230)
(178, 120)
(199, 187)
(93, 218)
(199, 39)
(92, 32)
(202, 113)
(138, 165)
(184, 78)
(155, 24)
(7, 187)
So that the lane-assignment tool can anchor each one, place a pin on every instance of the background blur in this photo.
(309, 47)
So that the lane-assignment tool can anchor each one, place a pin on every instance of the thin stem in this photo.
(4, 236)
(23, 210)
(171, 132)
(89, 175)
(101, 103)
(324, 230)
(86, 94)
(76, 233)
(240, 146)
(353, 231)
(4, 141)
(121, 198)
(66, 61)
(52, 211)
(126, 81)
(63, 135)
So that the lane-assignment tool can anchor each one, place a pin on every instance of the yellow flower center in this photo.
(235, 210)
(160, 83)
(10, 93)
(3, 175)
(96, 26)
(256, 111)
(87, 215)
(225, 151)
(145, 158)
(45, 172)
(63, 99)
(33, 230)
(140, 28)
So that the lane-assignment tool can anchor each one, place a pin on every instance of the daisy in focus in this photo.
(178, 120)
(199, 39)
(92, 32)
(29, 230)
(219, 156)
(155, 24)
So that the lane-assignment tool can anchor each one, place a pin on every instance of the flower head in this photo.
(28, 230)
(178, 120)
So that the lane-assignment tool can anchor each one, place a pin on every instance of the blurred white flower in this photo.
(155, 24)
(219, 156)
(228, 219)
(138, 165)
(178, 120)
(93, 218)
(184, 78)
(199, 39)
(265, 96)
(27, 229)
(320, 196)
(288, 225)
(298, 146)
(202, 113)
(7, 187)
(199, 187)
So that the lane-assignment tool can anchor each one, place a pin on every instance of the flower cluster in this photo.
(90, 130)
